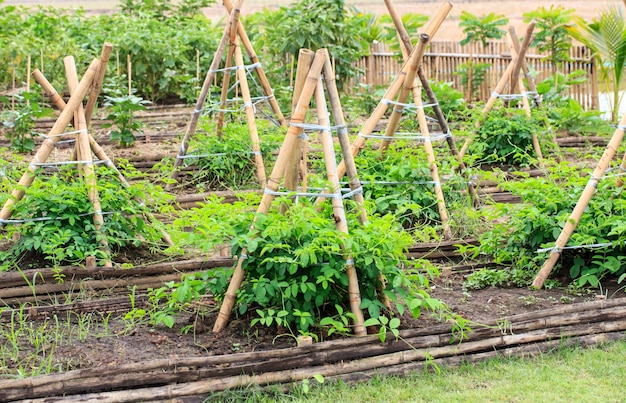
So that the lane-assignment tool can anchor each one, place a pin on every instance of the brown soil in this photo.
(122, 342)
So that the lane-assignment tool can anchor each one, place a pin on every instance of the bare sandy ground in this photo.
(450, 30)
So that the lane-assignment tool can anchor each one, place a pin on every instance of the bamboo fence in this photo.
(348, 360)
(442, 59)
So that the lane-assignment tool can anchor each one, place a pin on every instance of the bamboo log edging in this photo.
(348, 359)
(36, 284)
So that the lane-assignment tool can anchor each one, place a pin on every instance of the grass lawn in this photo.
(565, 375)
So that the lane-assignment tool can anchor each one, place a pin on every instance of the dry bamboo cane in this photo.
(305, 58)
(395, 86)
(247, 101)
(107, 48)
(432, 165)
(226, 81)
(263, 81)
(339, 214)
(93, 144)
(195, 116)
(351, 172)
(520, 84)
(430, 155)
(273, 182)
(405, 91)
(83, 154)
(406, 46)
(622, 167)
(520, 61)
(530, 80)
(47, 146)
(586, 196)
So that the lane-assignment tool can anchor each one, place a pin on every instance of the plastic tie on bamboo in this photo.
(35, 219)
(507, 97)
(408, 106)
(315, 127)
(573, 247)
(620, 127)
(349, 262)
(340, 195)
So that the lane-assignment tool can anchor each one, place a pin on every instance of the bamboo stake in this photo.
(432, 98)
(210, 75)
(619, 182)
(590, 188)
(27, 76)
(252, 128)
(130, 75)
(46, 148)
(83, 153)
(107, 48)
(520, 61)
(232, 44)
(273, 182)
(407, 88)
(263, 81)
(305, 58)
(511, 41)
(339, 214)
(530, 80)
(432, 165)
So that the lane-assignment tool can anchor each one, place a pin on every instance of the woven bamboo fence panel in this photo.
(442, 60)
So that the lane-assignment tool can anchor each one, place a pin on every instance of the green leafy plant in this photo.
(505, 136)
(122, 111)
(20, 121)
(58, 219)
(385, 325)
(551, 34)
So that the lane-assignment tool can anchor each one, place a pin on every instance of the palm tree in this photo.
(606, 38)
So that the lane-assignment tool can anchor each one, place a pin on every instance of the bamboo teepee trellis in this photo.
(512, 78)
(313, 86)
(397, 95)
(74, 112)
(234, 36)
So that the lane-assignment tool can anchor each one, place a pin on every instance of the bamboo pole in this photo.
(263, 81)
(339, 214)
(273, 182)
(107, 48)
(588, 191)
(405, 91)
(305, 58)
(210, 75)
(83, 154)
(432, 166)
(47, 146)
(520, 61)
(232, 44)
(252, 128)
(520, 84)
(129, 68)
(530, 80)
